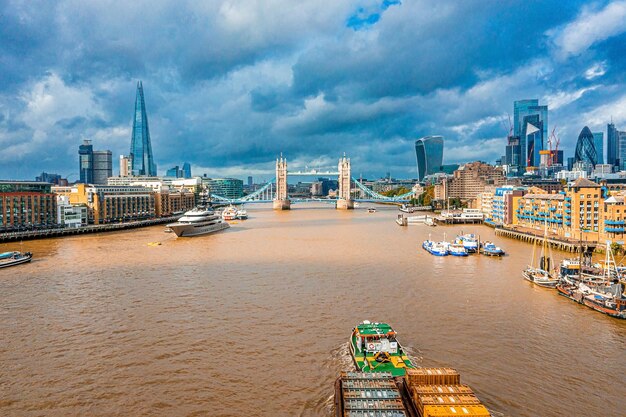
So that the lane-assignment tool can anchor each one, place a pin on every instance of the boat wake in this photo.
(322, 398)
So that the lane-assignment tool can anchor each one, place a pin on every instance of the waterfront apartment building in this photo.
(26, 205)
(429, 154)
(579, 212)
(169, 201)
(538, 209)
(69, 215)
(504, 203)
(111, 204)
(470, 180)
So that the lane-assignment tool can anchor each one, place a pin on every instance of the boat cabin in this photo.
(375, 337)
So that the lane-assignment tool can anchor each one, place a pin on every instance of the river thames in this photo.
(254, 321)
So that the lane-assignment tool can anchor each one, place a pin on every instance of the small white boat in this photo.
(456, 249)
(430, 222)
(242, 214)
(371, 210)
(469, 242)
(229, 213)
(14, 258)
(435, 248)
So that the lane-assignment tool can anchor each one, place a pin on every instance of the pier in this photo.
(97, 228)
(560, 244)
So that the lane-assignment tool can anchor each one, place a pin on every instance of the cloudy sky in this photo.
(230, 84)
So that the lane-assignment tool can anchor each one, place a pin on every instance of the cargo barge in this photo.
(422, 392)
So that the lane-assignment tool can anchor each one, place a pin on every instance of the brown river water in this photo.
(254, 321)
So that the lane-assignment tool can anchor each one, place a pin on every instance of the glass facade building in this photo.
(621, 150)
(429, 154)
(142, 161)
(102, 166)
(612, 144)
(186, 170)
(585, 148)
(521, 110)
(598, 142)
(224, 187)
(85, 162)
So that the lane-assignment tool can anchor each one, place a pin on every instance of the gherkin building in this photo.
(585, 148)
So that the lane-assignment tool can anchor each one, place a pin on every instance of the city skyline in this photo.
(231, 109)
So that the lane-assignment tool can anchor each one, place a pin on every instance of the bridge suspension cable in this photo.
(377, 196)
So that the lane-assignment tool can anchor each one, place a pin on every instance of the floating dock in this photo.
(423, 392)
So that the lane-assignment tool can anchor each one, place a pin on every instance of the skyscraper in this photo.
(186, 170)
(102, 167)
(522, 109)
(85, 162)
(429, 153)
(585, 148)
(612, 144)
(621, 150)
(598, 142)
(142, 161)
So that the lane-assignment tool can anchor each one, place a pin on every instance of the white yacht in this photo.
(198, 221)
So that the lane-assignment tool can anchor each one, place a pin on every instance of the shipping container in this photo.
(441, 389)
(455, 411)
(451, 400)
(432, 376)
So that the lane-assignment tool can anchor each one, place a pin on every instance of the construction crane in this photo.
(554, 140)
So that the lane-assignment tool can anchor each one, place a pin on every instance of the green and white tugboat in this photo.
(374, 348)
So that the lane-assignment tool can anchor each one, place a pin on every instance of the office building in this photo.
(26, 205)
(85, 162)
(585, 148)
(612, 143)
(250, 182)
(429, 154)
(142, 160)
(102, 167)
(174, 172)
(621, 150)
(524, 124)
(598, 142)
(186, 170)
(224, 187)
(124, 166)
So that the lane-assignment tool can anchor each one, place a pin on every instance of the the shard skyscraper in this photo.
(142, 161)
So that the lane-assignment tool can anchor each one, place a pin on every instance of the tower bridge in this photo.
(276, 190)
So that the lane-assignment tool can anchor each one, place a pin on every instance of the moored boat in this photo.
(198, 221)
(490, 249)
(456, 249)
(242, 214)
(13, 258)
(469, 242)
(229, 213)
(371, 210)
(374, 348)
(540, 273)
(603, 292)
(435, 248)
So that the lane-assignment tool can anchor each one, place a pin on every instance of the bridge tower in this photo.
(344, 200)
(281, 201)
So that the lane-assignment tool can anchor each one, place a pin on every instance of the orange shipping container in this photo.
(432, 376)
(441, 389)
(451, 400)
(455, 411)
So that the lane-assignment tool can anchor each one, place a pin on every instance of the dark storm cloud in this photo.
(231, 84)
